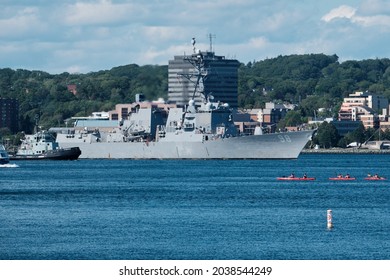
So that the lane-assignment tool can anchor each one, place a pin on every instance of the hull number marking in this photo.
(284, 138)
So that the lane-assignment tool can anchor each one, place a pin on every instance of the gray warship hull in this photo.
(267, 146)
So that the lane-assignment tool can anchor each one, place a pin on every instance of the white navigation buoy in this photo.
(329, 219)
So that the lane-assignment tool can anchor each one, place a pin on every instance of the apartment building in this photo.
(364, 107)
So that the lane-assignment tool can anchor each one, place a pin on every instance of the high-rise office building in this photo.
(9, 113)
(221, 80)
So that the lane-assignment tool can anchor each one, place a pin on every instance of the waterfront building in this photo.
(345, 126)
(364, 107)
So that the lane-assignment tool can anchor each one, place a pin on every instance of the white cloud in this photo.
(379, 20)
(74, 69)
(357, 16)
(259, 42)
(162, 33)
(25, 22)
(11, 48)
(100, 12)
(91, 35)
(274, 22)
(374, 7)
(343, 11)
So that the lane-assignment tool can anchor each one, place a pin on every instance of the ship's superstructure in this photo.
(203, 129)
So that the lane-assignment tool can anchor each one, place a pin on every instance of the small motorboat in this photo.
(4, 157)
(295, 178)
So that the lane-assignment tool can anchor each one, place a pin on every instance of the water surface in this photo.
(213, 209)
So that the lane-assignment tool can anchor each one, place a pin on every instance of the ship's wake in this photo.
(9, 165)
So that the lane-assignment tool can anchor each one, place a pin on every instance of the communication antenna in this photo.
(211, 37)
(193, 44)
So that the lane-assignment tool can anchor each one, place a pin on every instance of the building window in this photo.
(124, 113)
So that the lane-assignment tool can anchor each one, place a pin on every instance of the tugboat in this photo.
(4, 158)
(42, 145)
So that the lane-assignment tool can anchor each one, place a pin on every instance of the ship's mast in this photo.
(199, 73)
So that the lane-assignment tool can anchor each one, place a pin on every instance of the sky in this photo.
(81, 36)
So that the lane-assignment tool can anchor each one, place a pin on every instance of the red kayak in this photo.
(342, 178)
(375, 178)
(296, 178)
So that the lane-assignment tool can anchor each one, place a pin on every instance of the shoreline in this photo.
(344, 151)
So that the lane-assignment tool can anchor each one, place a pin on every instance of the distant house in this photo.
(246, 121)
(122, 111)
(73, 89)
(273, 113)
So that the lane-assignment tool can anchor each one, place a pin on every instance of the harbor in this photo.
(195, 209)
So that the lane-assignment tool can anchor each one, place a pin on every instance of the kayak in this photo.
(375, 178)
(342, 179)
(295, 179)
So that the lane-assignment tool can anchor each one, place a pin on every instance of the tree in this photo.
(359, 134)
(312, 80)
(293, 118)
(385, 135)
(327, 135)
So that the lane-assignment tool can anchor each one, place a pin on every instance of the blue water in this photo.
(124, 209)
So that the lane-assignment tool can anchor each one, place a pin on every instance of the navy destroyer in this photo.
(197, 131)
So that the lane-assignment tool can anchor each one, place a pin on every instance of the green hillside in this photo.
(313, 81)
